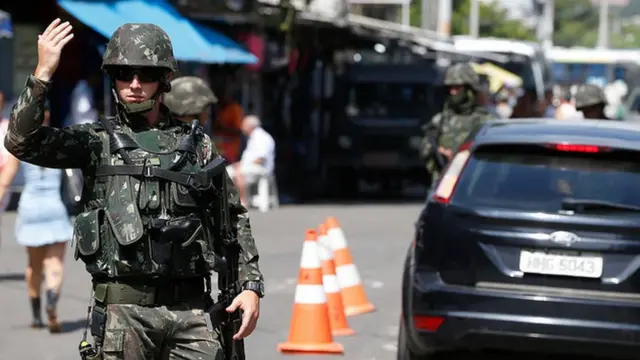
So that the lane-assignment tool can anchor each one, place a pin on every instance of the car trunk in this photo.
(508, 221)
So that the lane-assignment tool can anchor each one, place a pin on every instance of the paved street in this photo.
(378, 236)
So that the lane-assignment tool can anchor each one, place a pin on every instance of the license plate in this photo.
(381, 159)
(588, 266)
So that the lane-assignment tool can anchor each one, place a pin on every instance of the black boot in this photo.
(37, 316)
(52, 302)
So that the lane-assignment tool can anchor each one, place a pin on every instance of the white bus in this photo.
(594, 66)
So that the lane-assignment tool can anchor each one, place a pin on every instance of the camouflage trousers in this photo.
(134, 332)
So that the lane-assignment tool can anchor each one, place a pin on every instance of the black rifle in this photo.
(228, 279)
(441, 161)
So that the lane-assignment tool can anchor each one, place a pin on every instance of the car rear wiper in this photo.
(586, 205)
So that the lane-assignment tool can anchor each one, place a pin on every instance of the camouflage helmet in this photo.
(189, 95)
(589, 95)
(462, 74)
(139, 45)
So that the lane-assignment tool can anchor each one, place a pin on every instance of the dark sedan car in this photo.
(530, 241)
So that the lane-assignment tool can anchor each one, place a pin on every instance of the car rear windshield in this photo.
(538, 179)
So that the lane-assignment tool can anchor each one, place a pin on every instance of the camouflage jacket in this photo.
(449, 130)
(79, 147)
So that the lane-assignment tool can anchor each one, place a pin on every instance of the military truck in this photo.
(374, 130)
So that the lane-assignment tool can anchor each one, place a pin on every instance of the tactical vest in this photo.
(149, 218)
(455, 128)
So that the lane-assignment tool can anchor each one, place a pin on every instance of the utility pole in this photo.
(474, 19)
(548, 16)
(444, 17)
(430, 14)
(406, 13)
(424, 14)
(603, 31)
(545, 10)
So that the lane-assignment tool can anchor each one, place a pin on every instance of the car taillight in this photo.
(427, 323)
(449, 179)
(579, 148)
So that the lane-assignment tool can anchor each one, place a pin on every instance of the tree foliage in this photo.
(627, 38)
(493, 20)
(575, 23)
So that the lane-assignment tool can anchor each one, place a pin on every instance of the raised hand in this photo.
(50, 44)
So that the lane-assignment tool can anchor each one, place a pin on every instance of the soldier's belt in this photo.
(197, 180)
(150, 295)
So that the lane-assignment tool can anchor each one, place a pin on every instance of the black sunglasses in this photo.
(145, 75)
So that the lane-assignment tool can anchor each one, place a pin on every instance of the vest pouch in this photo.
(170, 241)
(149, 195)
(182, 198)
(160, 247)
(86, 232)
(190, 249)
(122, 212)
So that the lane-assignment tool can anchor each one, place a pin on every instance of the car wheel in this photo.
(404, 350)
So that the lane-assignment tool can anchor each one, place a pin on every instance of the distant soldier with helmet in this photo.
(462, 113)
(189, 98)
(160, 212)
(591, 101)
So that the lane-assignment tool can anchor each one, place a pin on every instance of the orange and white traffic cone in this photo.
(354, 297)
(310, 330)
(337, 318)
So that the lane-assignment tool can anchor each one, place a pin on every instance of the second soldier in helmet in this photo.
(461, 114)
(189, 99)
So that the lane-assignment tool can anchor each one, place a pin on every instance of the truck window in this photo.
(388, 100)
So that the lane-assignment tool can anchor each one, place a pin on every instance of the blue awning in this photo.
(6, 29)
(191, 41)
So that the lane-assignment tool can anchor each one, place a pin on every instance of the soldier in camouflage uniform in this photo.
(189, 98)
(590, 99)
(146, 237)
(461, 114)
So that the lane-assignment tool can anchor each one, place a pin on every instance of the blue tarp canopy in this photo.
(191, 41)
